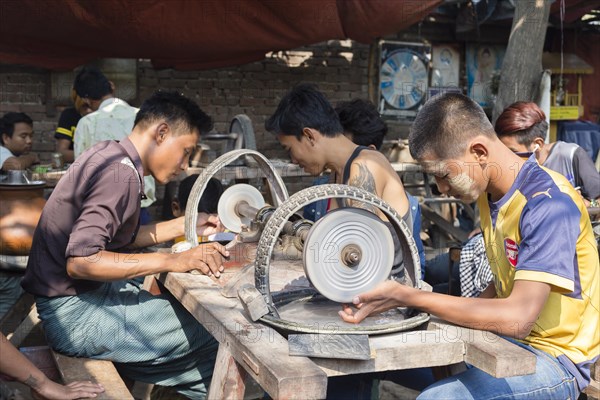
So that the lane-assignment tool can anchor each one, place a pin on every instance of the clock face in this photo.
(403, 79)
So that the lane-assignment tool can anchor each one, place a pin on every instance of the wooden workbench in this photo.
(256, 350)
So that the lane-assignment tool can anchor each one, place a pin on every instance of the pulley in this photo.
(348, 252)
(239, 205)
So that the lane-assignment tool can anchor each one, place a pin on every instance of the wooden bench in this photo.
(17, 313)
(593, 390)
(99, 371)
(71, 369)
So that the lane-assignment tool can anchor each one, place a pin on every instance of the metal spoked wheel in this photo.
(277, 186)
(309, 311)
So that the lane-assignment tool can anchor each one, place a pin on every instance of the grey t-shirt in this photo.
(94, 207)
(573, 162)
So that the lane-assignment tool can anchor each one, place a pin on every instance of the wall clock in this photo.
(403, 78)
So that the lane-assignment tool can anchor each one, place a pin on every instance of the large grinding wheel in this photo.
(348, 252)
(306, 310)
(229, 201)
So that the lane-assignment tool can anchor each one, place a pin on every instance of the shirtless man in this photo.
(308, 128)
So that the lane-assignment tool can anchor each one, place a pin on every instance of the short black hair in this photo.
(91, 83)
(176, 109)
(444, 125)
(210, 198)
(361, 119)
(8, 121)
(304, 107)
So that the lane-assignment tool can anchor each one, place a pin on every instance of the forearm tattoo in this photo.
(365, 180)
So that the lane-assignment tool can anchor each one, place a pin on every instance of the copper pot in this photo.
(20, 210)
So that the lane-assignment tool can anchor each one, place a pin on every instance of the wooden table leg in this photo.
(228, 380)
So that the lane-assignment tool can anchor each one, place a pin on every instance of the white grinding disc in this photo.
(325, 246)
(230, 198)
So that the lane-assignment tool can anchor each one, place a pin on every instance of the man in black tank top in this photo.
(308, 127)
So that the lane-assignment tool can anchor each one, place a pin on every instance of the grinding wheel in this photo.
(347, 252)
(307, 310)
(229, 200)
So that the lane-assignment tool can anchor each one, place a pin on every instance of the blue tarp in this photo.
(586, 134)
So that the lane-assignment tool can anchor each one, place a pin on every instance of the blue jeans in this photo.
(550, 381)
(436, 274)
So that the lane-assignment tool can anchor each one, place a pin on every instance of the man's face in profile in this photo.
(460, 178)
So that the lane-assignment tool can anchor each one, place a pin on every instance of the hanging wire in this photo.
(475, 18)
(560, 93)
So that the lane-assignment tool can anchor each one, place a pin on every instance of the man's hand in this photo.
(208, 224)
(207, 258)
(74, 390)
(28, 160)
(23, 161)
(382, 298)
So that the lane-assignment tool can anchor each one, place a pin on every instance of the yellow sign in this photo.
(562, 113)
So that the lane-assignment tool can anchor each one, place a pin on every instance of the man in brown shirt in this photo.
(81, 268)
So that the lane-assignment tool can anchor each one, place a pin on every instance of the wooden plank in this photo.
(350, 347)
(406, 350)
(17, 313)
(260, 349)
(84, 369)
(25, 328)
(228, 380)
(41, 357)
(288, 274)
(233, 279)
(151, 285)
(489, 352)
(593, 390)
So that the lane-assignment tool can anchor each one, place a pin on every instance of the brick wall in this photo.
(24, 90)
(255, 89)
(338, 68)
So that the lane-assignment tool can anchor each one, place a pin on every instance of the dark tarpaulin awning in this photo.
(189, 34)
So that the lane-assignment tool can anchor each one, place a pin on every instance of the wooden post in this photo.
(228, 380)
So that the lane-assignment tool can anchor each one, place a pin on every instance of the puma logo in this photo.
(545, 193)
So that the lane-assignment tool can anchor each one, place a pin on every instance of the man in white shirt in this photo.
(112, 119)
(16, 131)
